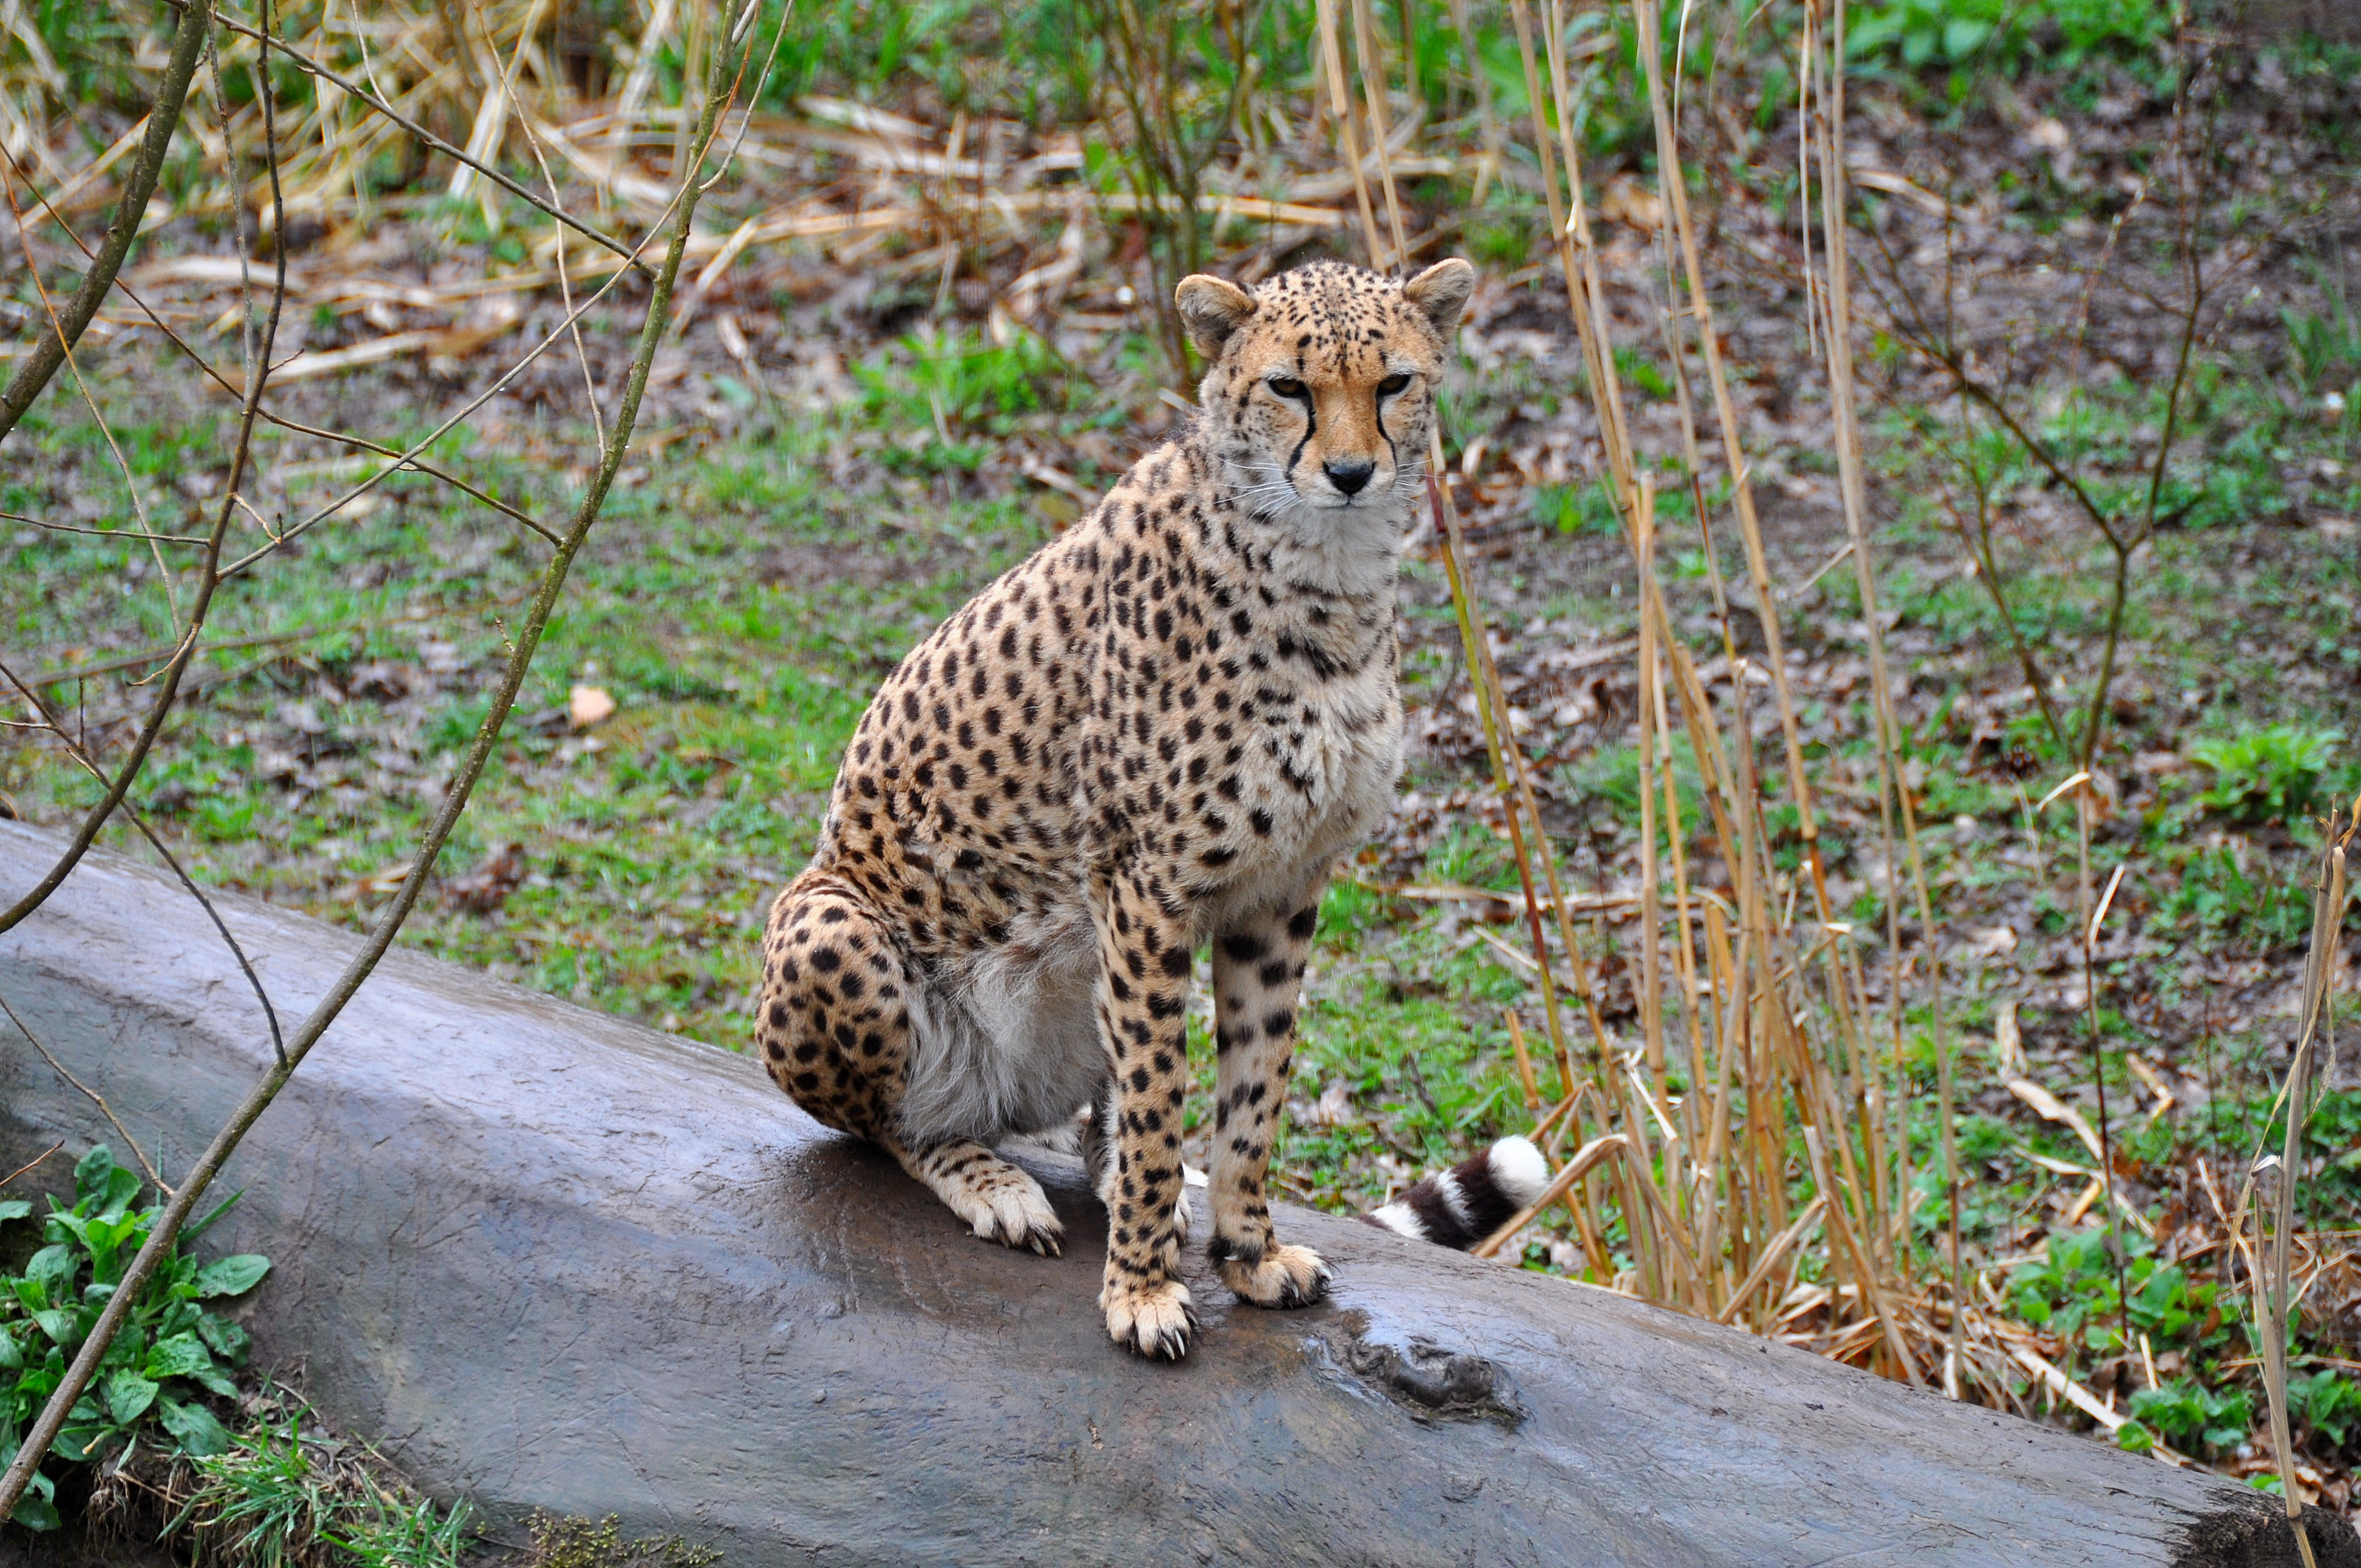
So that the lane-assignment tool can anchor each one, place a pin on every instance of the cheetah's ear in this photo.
(1441, 292)
(1212, 309)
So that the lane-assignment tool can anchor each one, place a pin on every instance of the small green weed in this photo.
(168, 1354)
(2325, 346)
(1583, 508)
(2014, 37)
(1642, 372)
(2268, 775)
(2217, 895)
(283, 1499)
(964, 380)
(578, 1543)
(259, 1501)
(398, 1528)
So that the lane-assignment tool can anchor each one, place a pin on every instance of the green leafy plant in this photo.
(171, 1352)
(964, 380)
(2271, 775)
(2189, 1416)
(2328, 1403)
(2010, 34)
(2071, 1291)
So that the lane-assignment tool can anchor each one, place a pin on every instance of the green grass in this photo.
(737, 607)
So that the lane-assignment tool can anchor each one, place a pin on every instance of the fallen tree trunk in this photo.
(556, 1260)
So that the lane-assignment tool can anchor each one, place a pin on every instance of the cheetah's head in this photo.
(1320, 391)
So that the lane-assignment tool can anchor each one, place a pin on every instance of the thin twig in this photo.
(278, 1044)
(87, 1092)
(103, 533)
(30, 1164)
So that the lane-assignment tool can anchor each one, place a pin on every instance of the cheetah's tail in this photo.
(1459, 1206)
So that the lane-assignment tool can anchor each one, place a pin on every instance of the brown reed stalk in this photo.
(1489, 165)
(1331, 58)
(1674, 194)
(1373, 93)
(2272, 1284)
(1521, 807)
(1851, 472)
(1483, 678)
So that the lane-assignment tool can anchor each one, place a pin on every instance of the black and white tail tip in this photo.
(1459, 1206)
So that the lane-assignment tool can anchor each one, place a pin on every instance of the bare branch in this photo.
(103, 533)
(208, 582)
(30, 1164)
(88, 1094)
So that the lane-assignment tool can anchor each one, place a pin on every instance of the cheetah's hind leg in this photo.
(1000, 1201)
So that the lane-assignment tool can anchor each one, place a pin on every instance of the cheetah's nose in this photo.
(1349, 477)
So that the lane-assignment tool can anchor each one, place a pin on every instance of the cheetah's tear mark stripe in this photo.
(1459, 1206)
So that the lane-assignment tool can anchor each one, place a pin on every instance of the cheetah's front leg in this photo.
(1258, 981)
(1143, 998)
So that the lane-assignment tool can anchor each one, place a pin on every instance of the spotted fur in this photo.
(1155, 733)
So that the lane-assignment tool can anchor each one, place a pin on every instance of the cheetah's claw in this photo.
(1154, 1321)
(1283, 1276)
(1021, 1219)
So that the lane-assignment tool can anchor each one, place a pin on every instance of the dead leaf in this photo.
(1628, 201)
(486, 888)
(2054, 1110)
(2008, 1045)
(1889, 184)
(586, 706)
(1335, 1106)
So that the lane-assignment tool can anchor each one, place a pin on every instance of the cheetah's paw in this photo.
(1282, 1277)
(1014, 1213)
(1154, 1321)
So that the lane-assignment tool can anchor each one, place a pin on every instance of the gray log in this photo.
(551, 1259)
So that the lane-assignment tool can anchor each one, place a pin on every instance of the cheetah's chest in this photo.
(1323, 767)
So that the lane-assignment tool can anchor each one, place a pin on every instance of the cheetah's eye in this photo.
(1285, 386)
(1392, 384)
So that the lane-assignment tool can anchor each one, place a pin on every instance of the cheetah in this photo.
(1158, 731)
